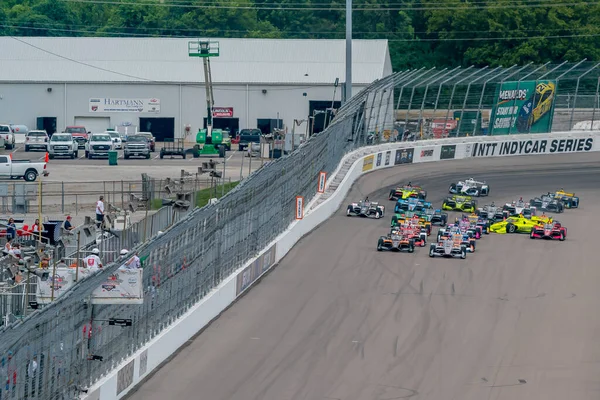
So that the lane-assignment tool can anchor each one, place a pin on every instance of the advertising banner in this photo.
(524, 107)
(388, 155)
(122, 287)
(322, 181)
(534, 146)
(378, 163)
(426, 153)
(404, 156)
(448, 152)
(113, 105)
(222, 112)
(251, 273)
(299, 207)
(368, 163)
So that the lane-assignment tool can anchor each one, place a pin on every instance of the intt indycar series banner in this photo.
(536, 146)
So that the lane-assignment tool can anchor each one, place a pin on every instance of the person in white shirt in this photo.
(133, 263)
(93, 262)
(100, 211)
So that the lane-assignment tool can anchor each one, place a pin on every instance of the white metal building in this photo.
(153, 85)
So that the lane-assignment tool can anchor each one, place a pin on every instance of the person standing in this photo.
(67, 224)
(100, 212)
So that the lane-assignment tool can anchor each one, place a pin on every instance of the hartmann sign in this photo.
(537, 146)
(132, 105)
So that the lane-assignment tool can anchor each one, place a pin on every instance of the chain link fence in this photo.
(57, 352)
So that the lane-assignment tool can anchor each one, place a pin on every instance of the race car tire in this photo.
(348, 210)
(394, 220)
(377, 215)
(463, 253)
(432, 250)
(562, 237)
(392, 193)
(411, 248)
(531, 235)
(510, 228)
(452, 188)
(379, 245)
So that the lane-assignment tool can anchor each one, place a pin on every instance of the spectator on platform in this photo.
(67, 224)
(11, 229)
(36, 226)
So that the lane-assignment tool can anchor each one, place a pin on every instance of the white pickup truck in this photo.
(16, 169)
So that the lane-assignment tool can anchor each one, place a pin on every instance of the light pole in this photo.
(348, 83)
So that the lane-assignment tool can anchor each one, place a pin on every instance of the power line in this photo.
(413, 40)
(67, 27)
(336, 8)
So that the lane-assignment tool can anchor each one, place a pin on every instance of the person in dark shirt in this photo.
(11, 229)
(67, 224)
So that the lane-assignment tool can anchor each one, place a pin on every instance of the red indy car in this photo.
(553, 230)
(415, 232)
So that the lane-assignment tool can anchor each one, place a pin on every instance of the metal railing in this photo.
(74, 345)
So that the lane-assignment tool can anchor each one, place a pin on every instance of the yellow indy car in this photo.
(519, 224)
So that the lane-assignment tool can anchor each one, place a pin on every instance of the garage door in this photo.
(93, 124)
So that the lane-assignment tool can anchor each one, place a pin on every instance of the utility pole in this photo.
(348, 83)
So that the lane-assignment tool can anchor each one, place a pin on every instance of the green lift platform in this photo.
(209, 141)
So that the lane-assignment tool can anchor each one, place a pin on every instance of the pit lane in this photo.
(517, 320)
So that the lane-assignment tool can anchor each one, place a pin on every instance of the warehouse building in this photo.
(152, 84)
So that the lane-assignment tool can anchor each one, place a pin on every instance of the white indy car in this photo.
(365, 208)
(449, 247)
(519, 207)
(470, 187)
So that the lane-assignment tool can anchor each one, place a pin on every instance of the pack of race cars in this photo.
(414, 218)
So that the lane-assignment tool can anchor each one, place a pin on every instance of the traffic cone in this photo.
(47, 158)
(10, 155)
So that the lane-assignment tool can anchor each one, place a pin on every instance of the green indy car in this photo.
(460, 203)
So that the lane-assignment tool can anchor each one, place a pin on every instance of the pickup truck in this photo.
(62, 145)
(8, 136)
(15, 169)
(98, 145)
(79, 133)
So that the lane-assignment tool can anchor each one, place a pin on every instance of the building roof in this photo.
(275, 61)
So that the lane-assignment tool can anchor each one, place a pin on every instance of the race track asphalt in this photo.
(517, 320)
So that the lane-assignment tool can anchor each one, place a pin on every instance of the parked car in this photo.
(63, 145)
(98, 145)
(79, 133)
(116, 139)
(8, 136)
(137, 146)
(16, 169)
(249, 136)
(151, 139)
(36, 140)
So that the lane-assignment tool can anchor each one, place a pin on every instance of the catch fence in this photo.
(71, 340)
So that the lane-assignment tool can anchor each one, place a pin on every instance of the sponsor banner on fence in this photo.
(427, 153)
(448, 152)
(251, 273)
(222, 112)
(378, 163)
(535, 146)
(134, 105)
(322, 181)
(404, 156)
(524, 107)
(388, 155)
(122, 287)
(368, 163)
(299, 207)
(125, 377)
